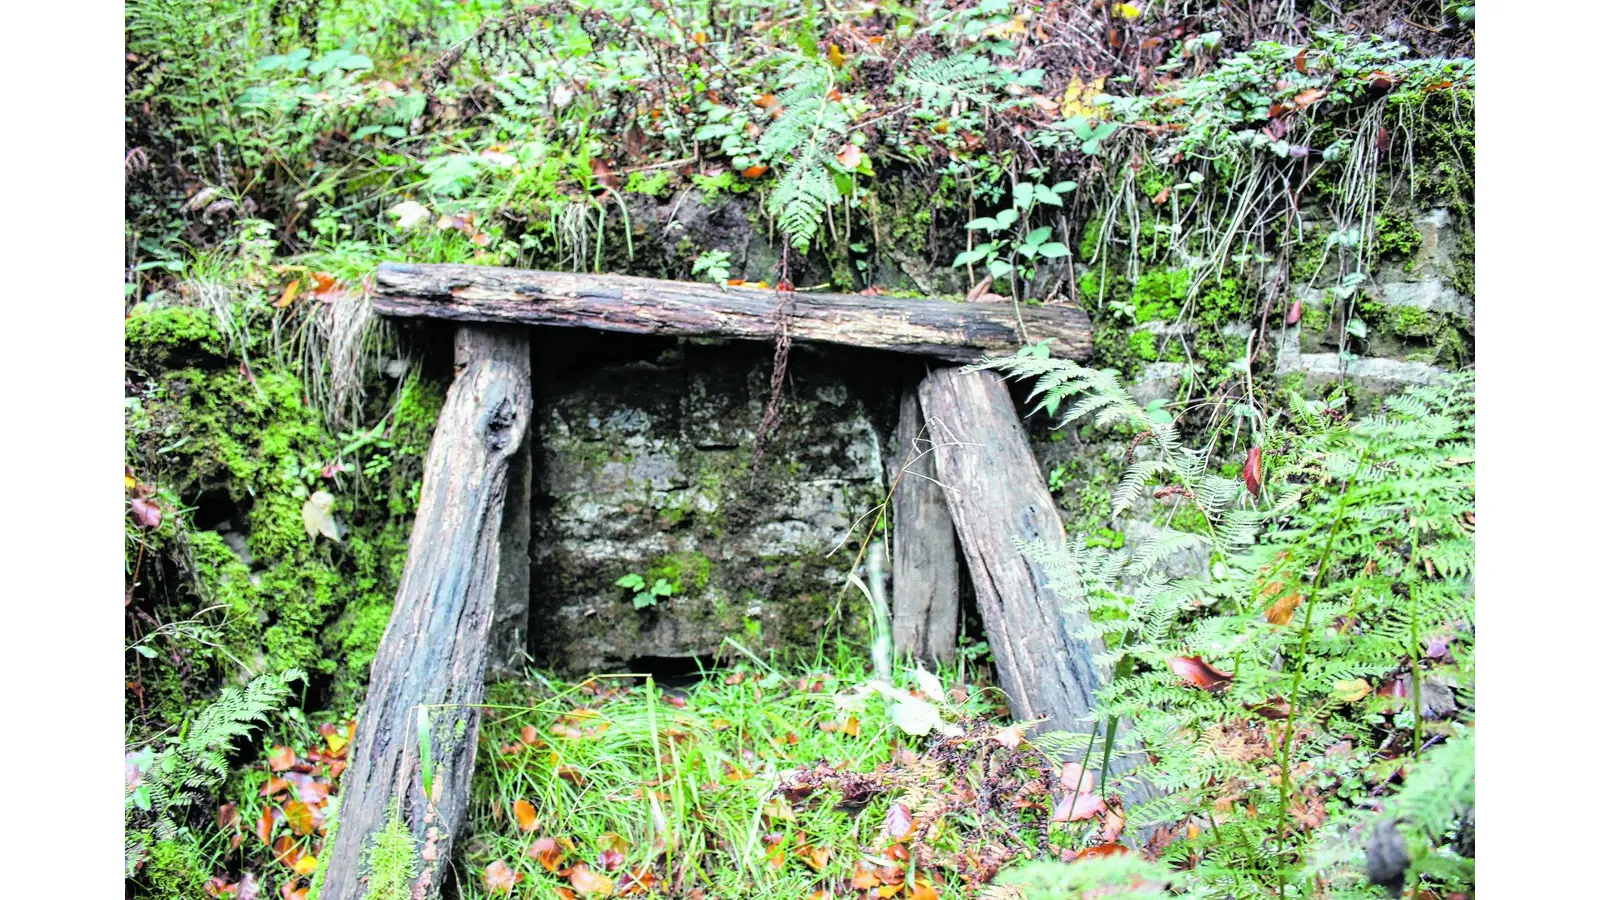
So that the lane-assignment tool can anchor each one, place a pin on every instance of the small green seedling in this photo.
(643, 596)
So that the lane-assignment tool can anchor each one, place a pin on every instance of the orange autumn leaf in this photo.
(293, 891)
(286, 851)
(301, 818)
(1280, 612)
(264, 825)
(587, 882)
(766, 101)
(281, 760)
(527, 816)
(755, 171)
(288, 295)
(227, 815)
(923, 890)
(850, 156)
(549, 852)
(499, 878)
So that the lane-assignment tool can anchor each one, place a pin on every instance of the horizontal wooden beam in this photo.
(959, 332)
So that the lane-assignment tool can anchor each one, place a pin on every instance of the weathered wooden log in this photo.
(996, 493)
(927, 573)
(960, 332)
(508, 634)
(433, 652)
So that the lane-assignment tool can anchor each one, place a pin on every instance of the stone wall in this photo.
(642, 465)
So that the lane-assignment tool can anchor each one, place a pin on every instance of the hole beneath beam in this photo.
(671, 671)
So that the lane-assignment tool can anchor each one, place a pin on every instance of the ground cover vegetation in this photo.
(1199, 176)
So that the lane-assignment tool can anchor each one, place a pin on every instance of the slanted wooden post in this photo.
(926, 571)
(434, 650)
(995, 493)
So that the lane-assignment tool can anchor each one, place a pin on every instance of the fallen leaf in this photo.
(146, 512)
(1009, 737)
(1074, 777)
(548, 853)
(1309, 96)
(897, 822)
(527, 816)
(227, 815)
(766, 101)
(317, 515)
(499, 878)
(755, 171)
(282, 759)
(1300, 61)
(1293, 316)
(1198, 672)
(835, 55)
(852, 727)
(1075, 807)
(1351, 691)
(1281, 611)
(850, 156)
(602, 174)
(301, 818)
(610, 860)
(265, 823)
(305, 865)
(289, 294)
(585, 881)
(1111, 826)
(291, 890)
(1161, 198)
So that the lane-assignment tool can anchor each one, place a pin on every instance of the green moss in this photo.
(162, 336)
(686, 570)
(1159, 295)
(1410, 322)
(654, 183)
(175, 870)
(1395, 236)
(1143, 345)
(251, 452)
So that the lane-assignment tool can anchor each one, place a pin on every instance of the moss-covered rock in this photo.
(241, 451)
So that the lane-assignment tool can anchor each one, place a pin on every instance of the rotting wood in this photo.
(434, 649)
(959, 332)
(996, 494)
(927, 572)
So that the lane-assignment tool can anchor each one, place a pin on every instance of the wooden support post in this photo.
(926, 571)
(434, 649)
(996, 493)
(508, 634)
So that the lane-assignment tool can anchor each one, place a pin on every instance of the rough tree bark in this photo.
(434, 649)
(960, 332)
(927, 573)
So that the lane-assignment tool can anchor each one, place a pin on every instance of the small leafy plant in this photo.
(645, 596)
(1012, 249)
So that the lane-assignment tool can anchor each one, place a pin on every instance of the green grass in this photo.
(686, 792)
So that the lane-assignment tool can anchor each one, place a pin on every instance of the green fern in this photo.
(1366, 525)
(800, 143)
(164, 783)
(967, 77)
